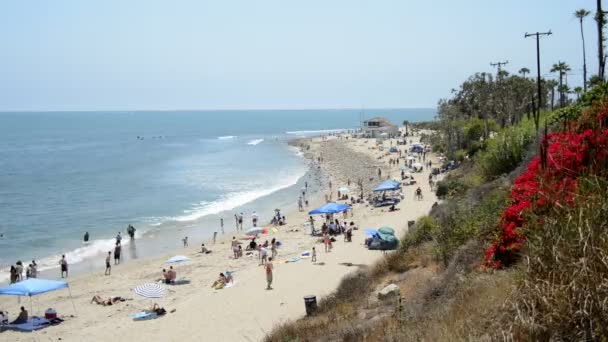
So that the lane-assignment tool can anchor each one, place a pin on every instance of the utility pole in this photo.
(540, 101)
(499, 65)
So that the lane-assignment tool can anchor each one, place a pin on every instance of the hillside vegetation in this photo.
(517, 250)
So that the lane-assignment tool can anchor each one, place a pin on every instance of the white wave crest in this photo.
(317, 132)
(236, 199)
(255, 141)
(226, 137)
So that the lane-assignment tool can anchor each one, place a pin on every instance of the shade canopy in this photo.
(33, 287)
(388, 185)
(177, 258)
(330, 208)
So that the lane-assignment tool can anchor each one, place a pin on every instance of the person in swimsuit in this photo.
(108, 264)
(64, 266)
(269, 269)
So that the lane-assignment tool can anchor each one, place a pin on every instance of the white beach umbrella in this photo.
(150, 290)
(177, 258)
(254, 231)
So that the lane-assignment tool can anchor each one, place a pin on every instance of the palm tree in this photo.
(524, 71)
(581, 14)
(552, 84)
(599, 19)
(578, 91)
(406, 123)
(562, 68)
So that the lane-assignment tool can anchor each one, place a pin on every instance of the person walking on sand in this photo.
(263, 255)
(235, 247)
(185, 241)
(108, 264)
(236, 221)
(241, 221)
(273, 247)
(300, 206)
(379, 173)
(254, 219)
(64, 266)
(326, 241)
(314, 255)
(222, 224)
(117, 250)
(269, 269)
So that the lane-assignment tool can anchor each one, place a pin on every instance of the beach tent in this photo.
(393, 149)
(384, 240)
(33, 287)
(330, 208)
(388, 185)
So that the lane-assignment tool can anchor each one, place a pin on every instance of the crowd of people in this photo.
(16, 271)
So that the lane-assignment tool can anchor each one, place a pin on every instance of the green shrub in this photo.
(460, 156)
(506, 150)
(442, 189)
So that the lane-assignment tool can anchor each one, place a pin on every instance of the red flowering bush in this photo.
(551, 179)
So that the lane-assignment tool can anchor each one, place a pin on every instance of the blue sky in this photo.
(251, 54)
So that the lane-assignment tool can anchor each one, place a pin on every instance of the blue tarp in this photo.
(370, 232)
(32, 287)
(330, 208)
(388, 185)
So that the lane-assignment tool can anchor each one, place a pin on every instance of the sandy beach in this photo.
(245, 311)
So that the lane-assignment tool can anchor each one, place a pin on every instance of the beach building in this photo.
(379, 127)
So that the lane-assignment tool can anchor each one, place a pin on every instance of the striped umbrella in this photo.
(150, 290)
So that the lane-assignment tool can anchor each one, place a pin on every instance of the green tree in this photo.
(581, 14)
(561, 68)
(524, 71)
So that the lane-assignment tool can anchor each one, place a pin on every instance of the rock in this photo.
(390, 291)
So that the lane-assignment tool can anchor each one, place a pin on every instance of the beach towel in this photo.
(142, 316)
(293, 260)
(34, 323)
(181, 281)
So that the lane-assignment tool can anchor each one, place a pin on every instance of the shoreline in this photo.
(150, 238)
(212, 312)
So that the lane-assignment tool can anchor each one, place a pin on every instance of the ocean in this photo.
(169, 174)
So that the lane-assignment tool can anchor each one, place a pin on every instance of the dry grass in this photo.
(563, 294)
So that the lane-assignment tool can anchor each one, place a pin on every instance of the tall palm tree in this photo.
(581, 14)
(562, 68)
(552, 84)
(524, 71)
(578, 91)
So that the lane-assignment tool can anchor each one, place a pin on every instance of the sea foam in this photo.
(255, 141)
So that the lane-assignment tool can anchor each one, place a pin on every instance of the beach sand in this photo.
(246, 311)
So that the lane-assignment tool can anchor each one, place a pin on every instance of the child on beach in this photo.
(314, 255)
(108, 265)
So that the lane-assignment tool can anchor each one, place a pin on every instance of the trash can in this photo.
(311, 305)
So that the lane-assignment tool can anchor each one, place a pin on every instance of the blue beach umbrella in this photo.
(370, 231)
(330, 208)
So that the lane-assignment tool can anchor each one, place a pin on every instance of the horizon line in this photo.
(201, 110)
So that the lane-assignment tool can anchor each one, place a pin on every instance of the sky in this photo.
(272, 54)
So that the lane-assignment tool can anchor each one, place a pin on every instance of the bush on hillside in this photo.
(562, 295)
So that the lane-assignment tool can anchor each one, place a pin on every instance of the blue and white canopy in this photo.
(33, 287)
(388, 185)
(330, 208)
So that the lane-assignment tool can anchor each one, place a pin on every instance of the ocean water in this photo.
(170, 174)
